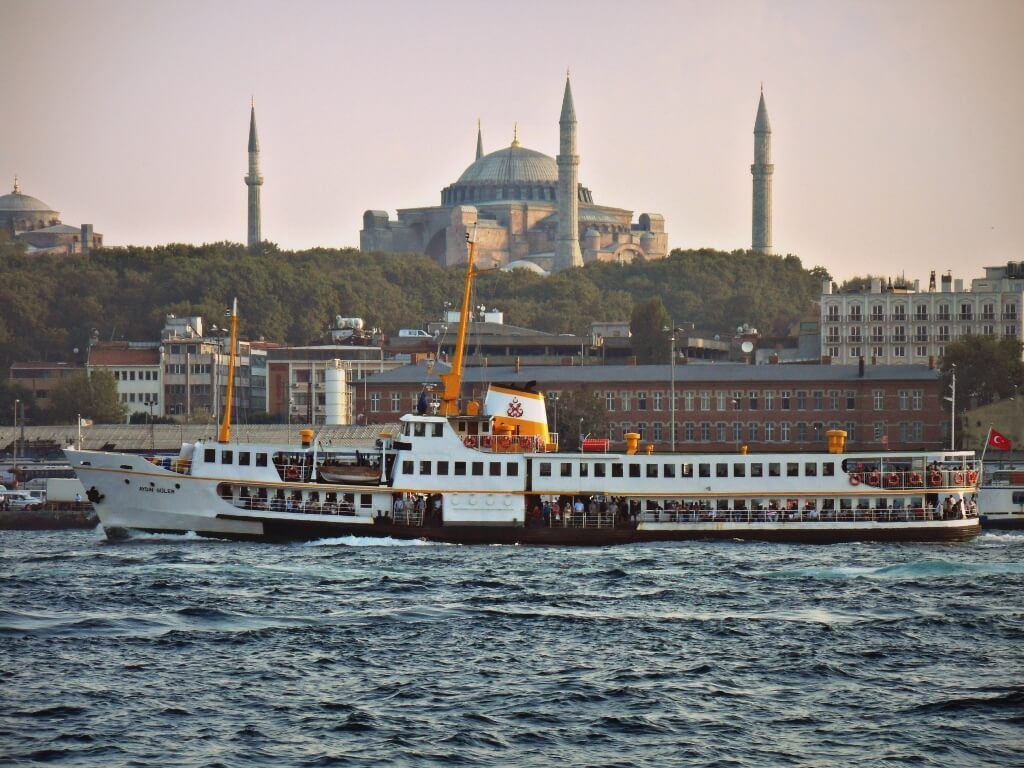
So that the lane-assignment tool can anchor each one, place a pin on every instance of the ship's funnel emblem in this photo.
(515, 409)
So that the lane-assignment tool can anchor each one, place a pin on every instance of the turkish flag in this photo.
(996, 440)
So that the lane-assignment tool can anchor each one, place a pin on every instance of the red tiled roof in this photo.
(122, 355)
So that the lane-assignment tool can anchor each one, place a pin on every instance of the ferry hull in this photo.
(276, 529)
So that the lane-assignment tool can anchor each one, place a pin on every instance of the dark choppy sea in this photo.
(175, 651)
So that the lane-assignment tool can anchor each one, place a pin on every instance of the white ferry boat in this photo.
(1001, 495)
(495, 475)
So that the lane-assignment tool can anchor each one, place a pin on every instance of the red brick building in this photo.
(719, 406)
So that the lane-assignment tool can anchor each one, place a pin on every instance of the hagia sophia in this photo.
(29, 220)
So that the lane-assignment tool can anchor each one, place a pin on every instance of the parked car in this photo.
(20, 500)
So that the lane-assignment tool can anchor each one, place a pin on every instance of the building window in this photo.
(904, 399)
(801, 432)
(851, 400)
(752, 428)
(769, 399)
(688, 432)
(641, 429)
(641, 401)
(737, 432)
(657, 396)
(879, 430)
(396, 402)
(752, 398)
(878, 399)
(784, 432)
(688, 401)
(854, 351)
(705, 401)
(657, 430)
(705, 431)
(921, 351)
(626, 398)
(609, 401)
(720, 401)
(819, 399)
(720, 433)
(769, 432)
(375, 402)
(917, 399)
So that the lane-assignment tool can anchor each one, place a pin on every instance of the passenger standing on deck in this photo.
(422, 401)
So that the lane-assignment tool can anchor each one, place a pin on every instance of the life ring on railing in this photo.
(874, 478)
(487, 441)
(972, 477)
(935, 478)
(958, 477)
(470, 441)
(892, 479)
(291, 473)
(855, 478)
(504, 442)
(914, 478)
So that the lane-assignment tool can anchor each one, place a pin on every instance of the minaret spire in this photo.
(762, 170)
(567, 243)
(17, 186)
(254, 181)
(479, 140)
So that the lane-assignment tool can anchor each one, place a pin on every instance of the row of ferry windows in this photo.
(719, 469)
(228, 457)
(459, 468)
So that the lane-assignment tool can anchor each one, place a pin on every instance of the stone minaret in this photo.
(762, 171)
(479, 141)
(254, 181)
(567, 244)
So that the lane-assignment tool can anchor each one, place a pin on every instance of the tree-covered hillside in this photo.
(49, 305)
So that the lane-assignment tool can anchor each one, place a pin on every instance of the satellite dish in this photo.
(747, 347)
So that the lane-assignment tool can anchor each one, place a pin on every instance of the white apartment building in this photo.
(904, 325)
(137, 371)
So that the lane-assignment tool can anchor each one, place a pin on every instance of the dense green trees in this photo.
(987, 369)
(652, 331)
(49, 305)
(580, 412)
(91, 397)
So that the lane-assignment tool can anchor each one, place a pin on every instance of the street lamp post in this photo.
(554, 401)
(952, 413)
(152, 435)
(581, 434)
(16, 401)
(672, 393)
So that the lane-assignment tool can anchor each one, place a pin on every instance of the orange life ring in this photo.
(892, 479)
(935, 478)
(470, 441)
(874, 478)
(972, 477)
(504, 442)
(487, 442)
(958, 478)
(855, 478)
(915, 478)
(291, 473)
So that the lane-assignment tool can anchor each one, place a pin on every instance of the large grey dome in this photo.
(23, 203)
(512, 165)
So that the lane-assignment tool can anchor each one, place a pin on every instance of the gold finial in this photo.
(17, 186)
(515, 134)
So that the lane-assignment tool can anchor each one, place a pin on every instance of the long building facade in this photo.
(718, 406)
(907, 326)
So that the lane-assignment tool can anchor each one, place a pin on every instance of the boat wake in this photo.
(369, 541)
(907, 571)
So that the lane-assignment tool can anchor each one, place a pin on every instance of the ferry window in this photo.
(668, 470)
(460, 467)
(365, 500)
(584, 469)
(599, 469)
(721, 470)
(478, 468)
(740, 505)
(1018, 497)
(739, 470)
(227, 457)
(566, 469)
(773, 469)
(495, 469)
(722, 505)
(419, 429)
(544, 470)
(828, 504)
(512, 469)
(210, 455)
(757, 469)
(424, 467)
(652, 470)
(407, 430)
(261, 459)
(810, 469)
(686, 470)
(438, 429)
(442, 467)
(704, 470)
(845, 504)
(243, 458)
(616, 470)
(634, 470)
(793, 469)
(828, 468)
(407, 466)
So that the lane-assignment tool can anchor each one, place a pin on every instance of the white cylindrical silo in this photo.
(334, 393)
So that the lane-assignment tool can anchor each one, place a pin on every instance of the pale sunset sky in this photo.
(896, 125)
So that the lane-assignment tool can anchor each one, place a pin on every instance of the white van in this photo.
(20, 500)
(413, 333)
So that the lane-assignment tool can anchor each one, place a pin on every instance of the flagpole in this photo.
(79, 431)
(987, 438)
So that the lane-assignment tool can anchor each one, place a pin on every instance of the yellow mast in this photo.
(225, 424)
(452, 381)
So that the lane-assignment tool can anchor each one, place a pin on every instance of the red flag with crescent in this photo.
(999, 441)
